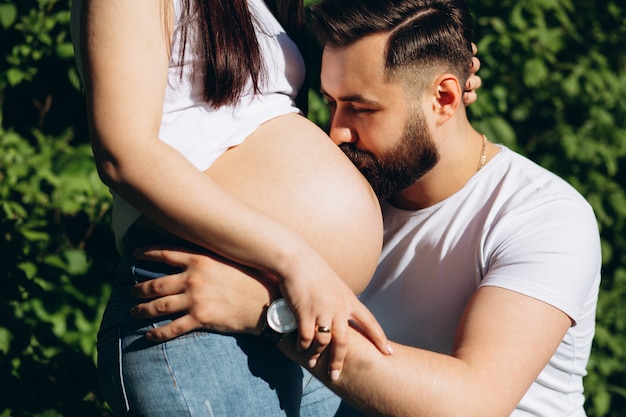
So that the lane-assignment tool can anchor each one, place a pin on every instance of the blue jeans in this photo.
(202, 373)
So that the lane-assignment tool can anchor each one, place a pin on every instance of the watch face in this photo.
(280, 317)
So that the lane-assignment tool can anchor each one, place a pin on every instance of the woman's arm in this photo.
(127, 54)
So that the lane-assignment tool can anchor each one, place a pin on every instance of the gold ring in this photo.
(323, 329)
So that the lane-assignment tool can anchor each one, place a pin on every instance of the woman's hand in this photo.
(474, 82)
(325, 306)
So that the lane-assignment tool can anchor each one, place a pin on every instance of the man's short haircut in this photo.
(423, 34)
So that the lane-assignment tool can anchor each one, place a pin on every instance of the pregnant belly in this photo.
(290, 169)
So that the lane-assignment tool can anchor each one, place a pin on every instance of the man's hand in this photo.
(210, 292)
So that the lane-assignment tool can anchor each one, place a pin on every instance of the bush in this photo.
(555, 78)
(554, 82)
(55, 245)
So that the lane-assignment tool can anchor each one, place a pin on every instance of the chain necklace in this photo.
(483, 154)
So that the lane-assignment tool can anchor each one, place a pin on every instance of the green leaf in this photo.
(15, 76)
(535, 72)
(8, 14)
(65, 50)
(77, 262)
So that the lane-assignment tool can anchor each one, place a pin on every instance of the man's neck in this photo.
(460, 155)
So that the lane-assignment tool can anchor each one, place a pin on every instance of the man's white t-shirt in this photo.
(514, 225)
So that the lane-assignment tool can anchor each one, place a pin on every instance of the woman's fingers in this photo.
(323, 335)
(367, 324)
(338, 350)
(335, 337)
(474, 82)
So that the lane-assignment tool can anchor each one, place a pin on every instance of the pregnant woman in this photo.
(194, 129)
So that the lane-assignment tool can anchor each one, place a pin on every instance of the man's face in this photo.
(372, 120)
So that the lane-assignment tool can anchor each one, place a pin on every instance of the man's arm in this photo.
(504, 340)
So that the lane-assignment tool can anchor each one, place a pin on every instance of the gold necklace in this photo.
(483, 154)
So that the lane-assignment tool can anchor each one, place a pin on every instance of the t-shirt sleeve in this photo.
(548, 250)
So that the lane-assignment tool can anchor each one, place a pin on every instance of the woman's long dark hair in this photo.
(229, 44)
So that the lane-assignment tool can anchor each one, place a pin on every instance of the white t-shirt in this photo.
(201, 132)
(514, 225)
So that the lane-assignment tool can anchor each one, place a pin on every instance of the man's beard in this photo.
(399, 167)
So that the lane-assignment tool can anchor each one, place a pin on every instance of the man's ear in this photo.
(448, 97)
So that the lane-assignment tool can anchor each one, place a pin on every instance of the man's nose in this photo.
(340, 133)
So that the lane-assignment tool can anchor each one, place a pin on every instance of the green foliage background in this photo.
(554, 82)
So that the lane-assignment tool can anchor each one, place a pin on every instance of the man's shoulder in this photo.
(528, 180)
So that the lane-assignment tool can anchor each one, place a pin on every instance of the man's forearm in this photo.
(496, 359)
(407, 383)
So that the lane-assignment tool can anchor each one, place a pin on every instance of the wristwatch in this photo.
(279, 321)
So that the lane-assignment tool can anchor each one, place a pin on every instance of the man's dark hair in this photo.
(422, 33)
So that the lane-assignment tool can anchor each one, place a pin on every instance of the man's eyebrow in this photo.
(355, 98)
